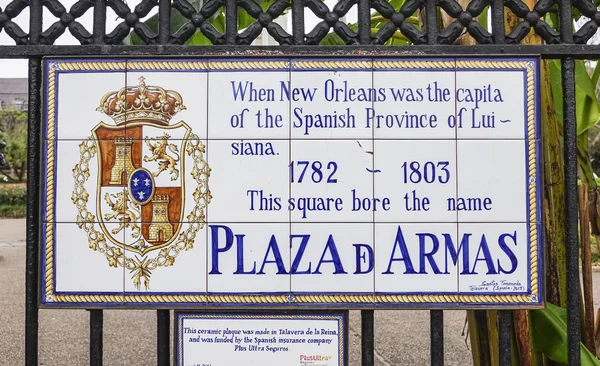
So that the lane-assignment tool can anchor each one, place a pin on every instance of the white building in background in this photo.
(265, 39)
(310, 21)
(13, 93)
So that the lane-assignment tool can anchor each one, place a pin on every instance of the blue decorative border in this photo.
(239, 63)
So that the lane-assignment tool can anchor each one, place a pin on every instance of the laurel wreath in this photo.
(141, 267)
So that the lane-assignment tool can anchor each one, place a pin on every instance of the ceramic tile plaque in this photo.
(295, 182)
(246, 339)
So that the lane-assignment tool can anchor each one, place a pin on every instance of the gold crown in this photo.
(141, 103)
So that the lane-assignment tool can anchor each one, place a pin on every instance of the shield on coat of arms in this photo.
(141, 184)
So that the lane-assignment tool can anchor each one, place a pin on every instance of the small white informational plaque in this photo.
(259, 339)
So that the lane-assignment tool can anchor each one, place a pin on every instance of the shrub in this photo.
(13, 194)
(13, 211)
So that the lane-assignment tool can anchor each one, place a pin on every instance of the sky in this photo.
(18, 68)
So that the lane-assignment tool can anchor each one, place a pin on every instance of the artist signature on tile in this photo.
(497, 286)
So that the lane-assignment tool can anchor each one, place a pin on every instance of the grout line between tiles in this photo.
(291, 66)
(456, 175)
(208, 77)
(373, 180)
(124, 188)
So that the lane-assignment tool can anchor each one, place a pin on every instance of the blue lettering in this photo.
(273, 247)
(214, 231)
(250, 93)
(401, 244)
(506, 249)
(487, 257)
(239, 239)
(335, 257)
(428, 255)
(463, 246)
(362, 256)
(299, 254)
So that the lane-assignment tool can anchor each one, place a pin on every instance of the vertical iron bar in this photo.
(566, 22)
(498, 31)
(571, 235)
(163, 326)
(96, 320)
(164, 22)
(298, 21)
(35, 21)
(230, 21)
(504, 334)
(33, 178)
(99, 30)
(96, 315)
(364, 22)
(431, 21)
(33, 211)
(436, 328)
(367, 337)
(571, 211)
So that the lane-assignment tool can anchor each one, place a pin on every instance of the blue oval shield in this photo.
(141, 186)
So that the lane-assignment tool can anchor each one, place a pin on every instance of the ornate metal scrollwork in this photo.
(398, 21)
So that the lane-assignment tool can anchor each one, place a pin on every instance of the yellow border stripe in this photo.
(342, 64)
(248, 65)
(167, 65)
(301, 64)
(416, 64)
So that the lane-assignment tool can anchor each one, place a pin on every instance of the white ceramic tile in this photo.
(332, 181)
(78, 96)
(417, 177)
(79, 268)
(248, 188)
(414, 104)
(176, 272)
(493, 175)
(248, 104)
(189, 86)
(69, 155)
(332, 258)
(248, 258)
(491, 104)
(331, 103)
(414, 258)
(497, 259)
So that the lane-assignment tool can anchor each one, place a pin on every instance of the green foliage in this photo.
(586, 103)
(13, 131)
(550, 335)
(198, 39)
(13, 212)
(13, 194)
(377, 21)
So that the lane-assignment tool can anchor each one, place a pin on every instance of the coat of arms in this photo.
(139, 220)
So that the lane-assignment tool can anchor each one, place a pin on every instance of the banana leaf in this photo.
(550, 335)
(586, 102)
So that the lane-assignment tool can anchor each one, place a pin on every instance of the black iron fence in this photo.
(561, 41)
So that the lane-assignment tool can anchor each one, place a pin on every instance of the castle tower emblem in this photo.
(141, 170)
(160, 228)
(123, 163)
